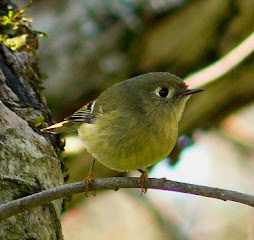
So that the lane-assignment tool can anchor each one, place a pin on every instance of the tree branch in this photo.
(221, 67)
(22, 204)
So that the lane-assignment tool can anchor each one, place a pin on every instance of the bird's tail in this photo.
(64, 126)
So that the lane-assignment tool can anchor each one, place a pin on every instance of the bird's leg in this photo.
(143, 180)
(89, 179)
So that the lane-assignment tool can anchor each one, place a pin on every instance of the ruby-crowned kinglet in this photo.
(133, 124)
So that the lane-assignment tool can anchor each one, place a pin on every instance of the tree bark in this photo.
(28, 161)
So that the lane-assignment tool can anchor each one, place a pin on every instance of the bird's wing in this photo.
(84, 114)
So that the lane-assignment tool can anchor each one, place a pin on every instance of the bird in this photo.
(131, 125)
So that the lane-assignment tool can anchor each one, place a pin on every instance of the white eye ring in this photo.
(164, 92)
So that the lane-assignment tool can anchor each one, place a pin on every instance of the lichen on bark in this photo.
(29, 161)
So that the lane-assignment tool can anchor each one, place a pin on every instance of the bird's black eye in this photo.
(163, 92)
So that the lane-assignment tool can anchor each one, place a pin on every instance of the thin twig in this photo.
(22, 204)
(221, 67)
(225, 64)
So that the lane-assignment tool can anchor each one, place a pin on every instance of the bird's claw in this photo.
(143, 181)
(87, 182)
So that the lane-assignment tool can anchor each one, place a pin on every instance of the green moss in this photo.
(25, 189)
(40, 121)
(15, 30)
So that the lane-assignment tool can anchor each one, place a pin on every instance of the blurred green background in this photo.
(93, 44)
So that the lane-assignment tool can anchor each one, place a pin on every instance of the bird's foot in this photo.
(89, 179)
(87, 182)
(143, 181)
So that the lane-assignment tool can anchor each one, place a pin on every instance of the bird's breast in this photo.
(128, 144)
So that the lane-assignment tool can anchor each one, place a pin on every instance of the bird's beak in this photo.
(191, 91)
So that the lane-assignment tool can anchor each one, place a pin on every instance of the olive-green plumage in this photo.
(133, 124)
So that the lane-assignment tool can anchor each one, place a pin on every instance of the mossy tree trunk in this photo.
(28, 160)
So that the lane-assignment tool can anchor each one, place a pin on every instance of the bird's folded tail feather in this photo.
(64, 126)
